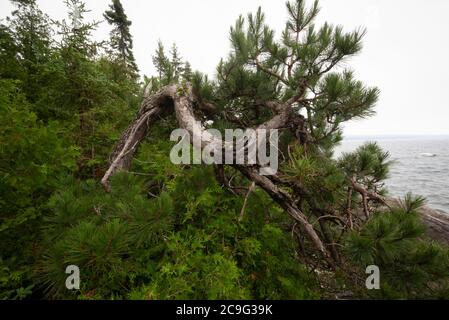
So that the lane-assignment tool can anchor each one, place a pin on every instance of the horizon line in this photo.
(401, 135)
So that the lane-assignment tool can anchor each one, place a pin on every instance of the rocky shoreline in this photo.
(437, 223)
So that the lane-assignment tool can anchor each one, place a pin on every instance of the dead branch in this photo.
(367, 195)
(251, 188)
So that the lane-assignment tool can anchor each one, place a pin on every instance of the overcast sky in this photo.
(406, 50)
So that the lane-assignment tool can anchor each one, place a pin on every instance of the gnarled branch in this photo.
(183, 100)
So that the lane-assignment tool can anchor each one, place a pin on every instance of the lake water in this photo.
(414, 169)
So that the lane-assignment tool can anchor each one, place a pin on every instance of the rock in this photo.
(437, 224)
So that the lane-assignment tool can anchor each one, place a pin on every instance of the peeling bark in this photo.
(152, 107)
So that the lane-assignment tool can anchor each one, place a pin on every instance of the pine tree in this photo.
(293, 84)
(296, 74)
(31, 31)
(187, 71)
(89, 94)
(33, 158)
(121, 38)
(412, 266)
(10, 66)
(176, 63)
(170, 69)
(162, 63)
(168, 231)
(47, 88)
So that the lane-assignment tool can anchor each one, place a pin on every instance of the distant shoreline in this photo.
(395, 137)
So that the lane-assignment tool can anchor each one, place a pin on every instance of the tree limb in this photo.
(183, 100)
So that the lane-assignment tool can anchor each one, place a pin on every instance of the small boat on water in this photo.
(427, 154)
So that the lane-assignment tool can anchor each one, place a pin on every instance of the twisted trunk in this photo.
(182, 100)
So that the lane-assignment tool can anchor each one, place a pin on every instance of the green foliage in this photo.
(412, 203)
(318, 176)
(190, 272)
(410, 266)
(27, 47)
(171, 69)
(60, 108)
(263, 68)
(185, 244)
(369, 160)
(168, 231)
(10, 67)
(105, 235)
(368, 165)
(33, 156)
(121, 38)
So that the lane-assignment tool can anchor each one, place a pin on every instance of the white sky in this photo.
(406, 51)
